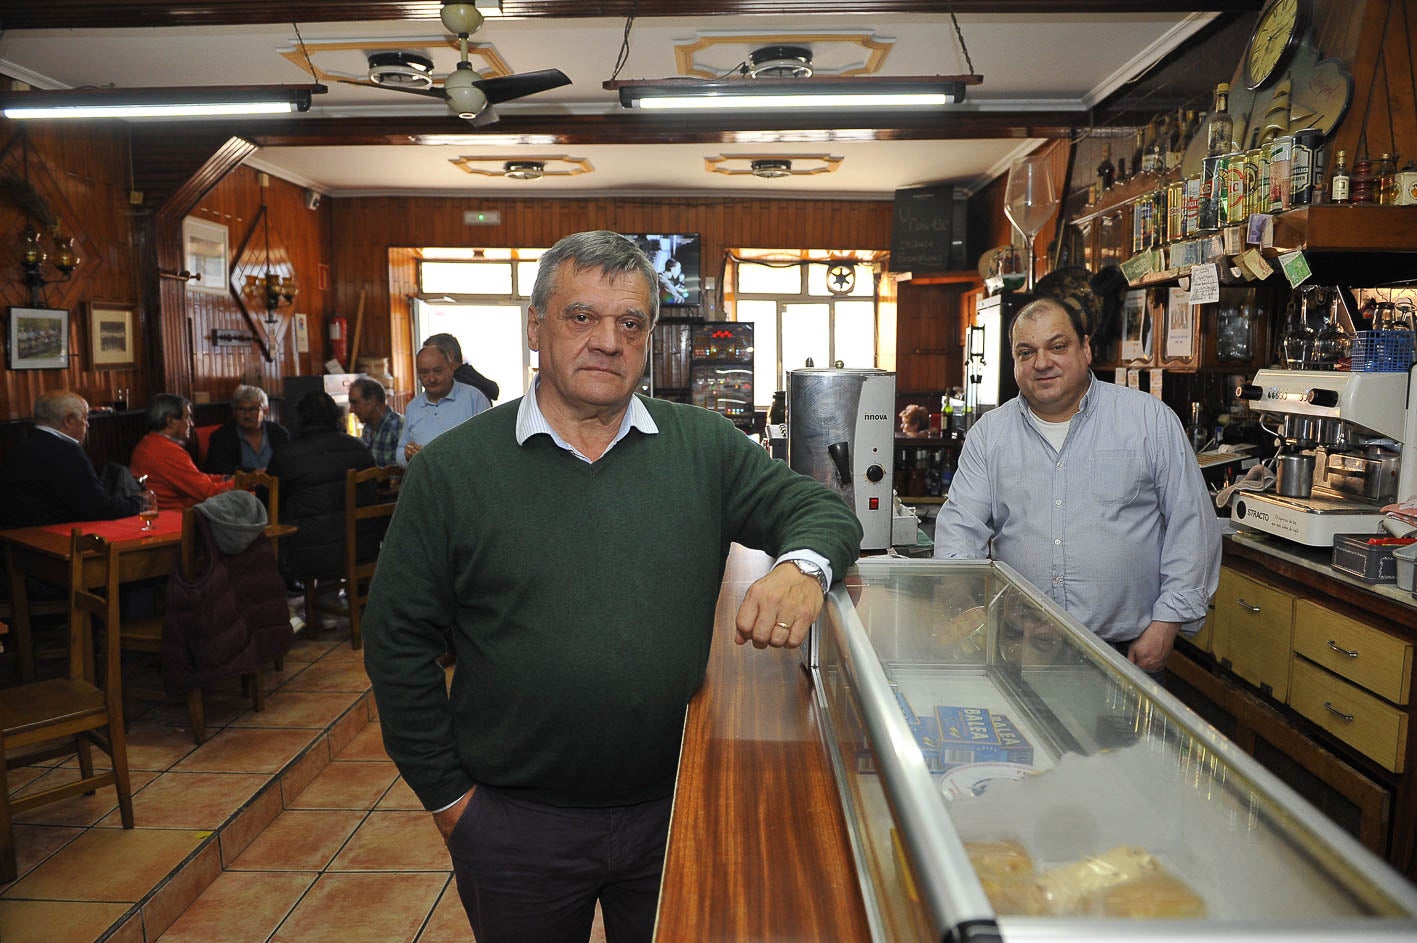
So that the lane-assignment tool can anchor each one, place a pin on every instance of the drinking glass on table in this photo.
(148, 510)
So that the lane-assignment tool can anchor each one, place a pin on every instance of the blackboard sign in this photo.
(928, 232)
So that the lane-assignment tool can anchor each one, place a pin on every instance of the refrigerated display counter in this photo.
(1004, 774)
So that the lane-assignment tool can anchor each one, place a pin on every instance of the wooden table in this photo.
(758, 849)
(43, 553)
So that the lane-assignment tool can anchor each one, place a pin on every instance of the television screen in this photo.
(676, 260)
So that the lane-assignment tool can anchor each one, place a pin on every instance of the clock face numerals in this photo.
(1276, 33)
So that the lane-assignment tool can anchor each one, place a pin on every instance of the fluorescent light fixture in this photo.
(866, 92)
(200, 102)
(484, 140)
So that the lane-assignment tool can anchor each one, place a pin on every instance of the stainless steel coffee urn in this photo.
(840, 431)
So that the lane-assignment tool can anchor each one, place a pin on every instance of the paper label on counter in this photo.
(1295, 267)
(1205, 284)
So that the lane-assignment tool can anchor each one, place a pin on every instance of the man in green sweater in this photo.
(571, 544)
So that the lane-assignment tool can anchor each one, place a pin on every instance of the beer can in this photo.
(1235, 210)
(1306, 167)
(1190, 219)
(1175, 209)
(1213, 191)
(1251, 170)
(1281, 157)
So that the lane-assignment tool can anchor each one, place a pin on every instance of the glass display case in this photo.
(1006, 775)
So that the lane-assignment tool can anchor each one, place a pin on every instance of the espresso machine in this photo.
(841, 431)
(1342, 436)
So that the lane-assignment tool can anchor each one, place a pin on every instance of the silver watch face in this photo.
(812, 570)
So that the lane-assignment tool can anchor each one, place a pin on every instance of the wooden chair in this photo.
(82, 708)
(254, 482)
(358, 574)
(145, 635)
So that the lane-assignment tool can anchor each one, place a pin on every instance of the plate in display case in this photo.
(1004, 774)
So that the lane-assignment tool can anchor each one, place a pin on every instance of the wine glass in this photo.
(1030, 197)
(148, 510)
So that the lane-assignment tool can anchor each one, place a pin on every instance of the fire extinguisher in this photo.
(338, 329)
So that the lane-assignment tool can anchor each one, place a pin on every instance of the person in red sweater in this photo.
(162, 455)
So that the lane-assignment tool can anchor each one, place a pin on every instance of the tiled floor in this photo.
(287, 826)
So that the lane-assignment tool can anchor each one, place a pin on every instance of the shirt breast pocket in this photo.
(1115, 476)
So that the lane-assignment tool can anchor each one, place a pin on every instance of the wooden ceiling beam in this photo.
(91, 14)
(641, 128)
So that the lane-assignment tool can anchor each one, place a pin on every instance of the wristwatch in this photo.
(812, 570)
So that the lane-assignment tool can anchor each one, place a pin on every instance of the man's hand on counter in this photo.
(778, 609)
(1150, 649)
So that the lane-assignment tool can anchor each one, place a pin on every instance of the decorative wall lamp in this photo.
(33, 255)
(273, 288)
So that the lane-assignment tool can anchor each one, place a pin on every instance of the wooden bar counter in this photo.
(758, 849)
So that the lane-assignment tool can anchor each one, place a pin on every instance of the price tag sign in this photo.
(1295, 267)
(1205, 284)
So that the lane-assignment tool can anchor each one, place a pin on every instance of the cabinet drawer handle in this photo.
(1333, 710)
(1342, 651)
(1245, 605)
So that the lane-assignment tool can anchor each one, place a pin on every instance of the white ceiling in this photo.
(1047, 62)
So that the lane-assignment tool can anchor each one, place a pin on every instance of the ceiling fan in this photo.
(467, 94)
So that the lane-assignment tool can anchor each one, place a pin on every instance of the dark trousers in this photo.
(532, 873)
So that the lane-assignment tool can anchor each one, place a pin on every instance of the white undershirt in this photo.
(1055, 432)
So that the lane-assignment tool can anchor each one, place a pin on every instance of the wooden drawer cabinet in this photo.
(1254, 632)
(1364, 722)
(1202, 638)
(1367, 656)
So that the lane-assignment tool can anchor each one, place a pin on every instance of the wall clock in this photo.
(1278, 32)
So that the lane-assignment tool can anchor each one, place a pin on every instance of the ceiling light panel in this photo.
(497, 165)
(714, 53)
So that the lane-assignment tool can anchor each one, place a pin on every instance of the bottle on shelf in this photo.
(1154, 162)
(1332, 346)
(1220, 127)
(1220, 131)
(1176, 141)
(1339, 184)
(1138, 152)
(1106, 171)
(1200, 435)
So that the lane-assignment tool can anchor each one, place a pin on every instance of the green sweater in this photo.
(579, 598)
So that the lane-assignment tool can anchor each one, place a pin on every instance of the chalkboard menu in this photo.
(928, 234)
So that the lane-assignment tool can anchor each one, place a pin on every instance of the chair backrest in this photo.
(204, 438)
(253, 481)
(87, 551)
(357, 574)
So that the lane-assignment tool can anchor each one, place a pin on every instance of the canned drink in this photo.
(1235, 189)
(1281, 157)
(1251, 171)
(1190, 219)
(1262, 183)
(1306, 167)
(1213, 192)
(1175, 209)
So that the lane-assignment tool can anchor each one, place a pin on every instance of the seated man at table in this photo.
(443, 404)
(248, 440)
(382, 426)
(162, 455)
(311, 468)
(49, 478)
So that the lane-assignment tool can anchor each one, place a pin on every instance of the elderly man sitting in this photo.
(382, 426)
(248, 440)
(48, 478)
(162, 455)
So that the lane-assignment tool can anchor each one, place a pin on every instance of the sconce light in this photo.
(33, 256)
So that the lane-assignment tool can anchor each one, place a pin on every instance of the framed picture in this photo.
(39, 339)
(1136, 328)
(205, 254)
(112, 335)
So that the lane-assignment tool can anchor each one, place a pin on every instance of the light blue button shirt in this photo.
(424, 421)
(1116, 527)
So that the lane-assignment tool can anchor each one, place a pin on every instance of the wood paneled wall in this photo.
(365, 228)
(81, 173)
(298, 233)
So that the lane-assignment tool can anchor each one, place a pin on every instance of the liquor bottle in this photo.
(1220, 128)
(1338, 186)
(1138, 152)
(1154, 162)
(1106, 172)
(1176, 141)
(1121, 169)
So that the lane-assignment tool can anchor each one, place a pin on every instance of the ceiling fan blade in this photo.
(504, 88)
(486, 116)
(425, 92)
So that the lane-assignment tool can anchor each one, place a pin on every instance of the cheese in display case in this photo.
(1006, 775)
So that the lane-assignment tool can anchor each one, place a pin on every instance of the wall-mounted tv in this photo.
(676, 259)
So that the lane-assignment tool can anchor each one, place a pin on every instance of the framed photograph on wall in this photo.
(39, 339)
(1136, 328)
(205, 254)
(112, 335)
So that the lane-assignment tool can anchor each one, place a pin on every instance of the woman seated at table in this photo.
(162, 455)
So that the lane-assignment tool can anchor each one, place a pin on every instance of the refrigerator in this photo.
(721, 369)
(1006, 775)
(988, 362)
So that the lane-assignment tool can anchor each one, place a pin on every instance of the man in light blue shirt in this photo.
(1090, 491)
(443, 404)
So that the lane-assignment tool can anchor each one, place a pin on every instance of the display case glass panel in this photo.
(1001, 765)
